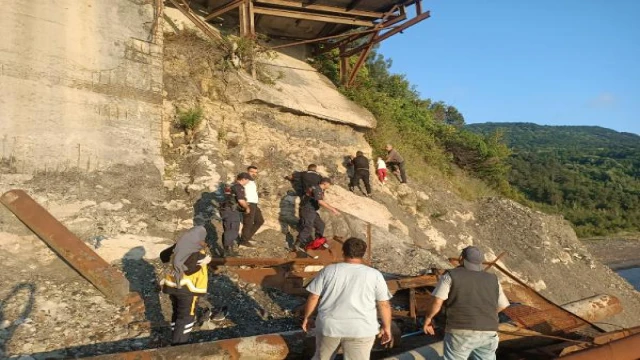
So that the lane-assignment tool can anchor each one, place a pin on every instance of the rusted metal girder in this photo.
(184, 9)
(264, 347)
(595, 308)
(627, 348)
(74, 251)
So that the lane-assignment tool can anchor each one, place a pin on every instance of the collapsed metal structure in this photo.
(353, 27)
(535, 327)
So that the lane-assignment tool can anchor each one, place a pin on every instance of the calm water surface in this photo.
(631, 275)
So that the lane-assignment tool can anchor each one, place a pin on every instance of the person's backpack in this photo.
(317, 243)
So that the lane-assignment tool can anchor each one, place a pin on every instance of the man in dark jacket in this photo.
(234, 204)
(361, 172)
(472, 298)
(303, 180)
(310, 220)
(396, 162)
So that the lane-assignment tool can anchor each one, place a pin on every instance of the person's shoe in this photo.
(246, 244)
(219, 315)
(368, 195)
(229, 252)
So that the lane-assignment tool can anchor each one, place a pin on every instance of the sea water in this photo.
(632, 276)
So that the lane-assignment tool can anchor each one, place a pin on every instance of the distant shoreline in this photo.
(617, 253)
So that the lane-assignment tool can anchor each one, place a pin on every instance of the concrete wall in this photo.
(80, 84)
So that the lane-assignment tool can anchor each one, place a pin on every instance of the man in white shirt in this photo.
(253, 220)
(348, 294)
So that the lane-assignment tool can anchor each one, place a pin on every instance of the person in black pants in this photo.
(234, 204)
(310, 220)
(396, 162)
(185, 280)
(252, 220)
(361, 172)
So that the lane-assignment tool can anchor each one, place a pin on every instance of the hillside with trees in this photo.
(589, 174)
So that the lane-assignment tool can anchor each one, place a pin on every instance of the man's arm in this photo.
(435, 304)
(503, 302)
(245, 205)
(309, 308)
(384, 309)
(326, 205)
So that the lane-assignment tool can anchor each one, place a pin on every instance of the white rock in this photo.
(174, 205)
(5, 324)
(169, 184)
(228, 164)
(105, 205)
(125, 201)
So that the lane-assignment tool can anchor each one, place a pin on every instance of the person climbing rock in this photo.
(381, 170)
(252, 220)
(302, 180)
(185, 280)
(310, 221)
(234, 204)
(361, 172)
(396, 163)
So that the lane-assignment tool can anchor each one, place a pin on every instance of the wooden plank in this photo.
(223, 9)
(329, 9)
(358, 35)
(313, 17)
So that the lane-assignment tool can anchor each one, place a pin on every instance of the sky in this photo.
(549, 62)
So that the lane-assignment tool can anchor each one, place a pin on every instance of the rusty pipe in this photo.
(627, 348)
(595, 308)
(74, 251)
(264, 347)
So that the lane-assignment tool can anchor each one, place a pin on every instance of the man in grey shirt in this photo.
(347, 294)
(472, 298)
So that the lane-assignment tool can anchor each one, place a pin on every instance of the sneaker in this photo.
(219, 315)
(229, 251)
(246, 244)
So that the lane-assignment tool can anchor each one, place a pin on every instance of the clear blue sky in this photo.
(555, 62)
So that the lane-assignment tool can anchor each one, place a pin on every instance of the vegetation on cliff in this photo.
(429, 134)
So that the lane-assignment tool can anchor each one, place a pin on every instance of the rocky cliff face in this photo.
(129, 214)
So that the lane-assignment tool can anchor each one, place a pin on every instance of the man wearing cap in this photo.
(472, 299)
(310, 220)
(234, 204)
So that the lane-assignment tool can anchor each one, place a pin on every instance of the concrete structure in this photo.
(80, 84)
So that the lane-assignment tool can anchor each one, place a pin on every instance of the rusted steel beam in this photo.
(323, 8)
(264, 347)
(74, 251)
(388, 24)
(627, 348)
(411, 282)
(361, 60)
(313, 17)
(223, 9)
(389, 33)
(264, 262)
(595, 308)
(184, 9)
(495, 261)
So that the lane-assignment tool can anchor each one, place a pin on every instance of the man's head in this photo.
(359, 153)
(354, 248)
(243, 178)
(312, 167)
(389, 147)
(325, 183)
(472, 258)
(253, 171)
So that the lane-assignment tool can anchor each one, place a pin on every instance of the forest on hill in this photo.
(589, 174)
